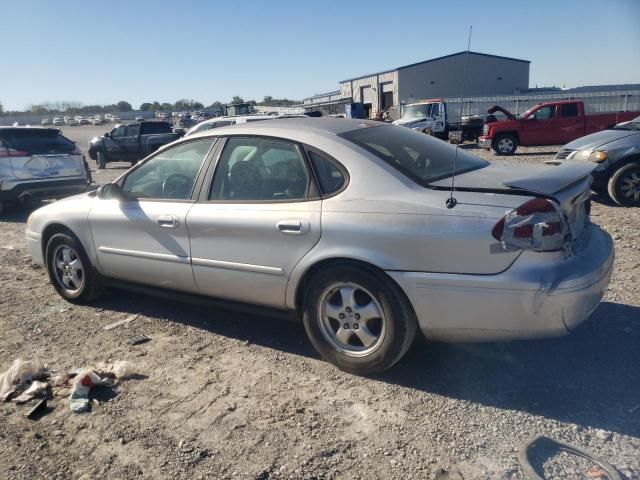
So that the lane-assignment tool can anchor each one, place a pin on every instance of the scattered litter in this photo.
(545, 443)
(61, 380)
(82, 385)
(122, 369)
(138, 339)
(36, 389)
(119, 323)
(19, 373)
(38, 407)
(596, 472)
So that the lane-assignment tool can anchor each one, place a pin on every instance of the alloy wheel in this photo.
(69, 271)
(630, 186)
(505, 145)
(351, 319)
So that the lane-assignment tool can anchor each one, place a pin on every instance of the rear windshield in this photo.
(422, 158)
(155, 127)
(37, 141)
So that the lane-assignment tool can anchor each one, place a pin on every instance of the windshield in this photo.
(416, 111)
(422, 158)
(630, 125)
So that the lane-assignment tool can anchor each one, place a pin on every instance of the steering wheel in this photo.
(176, 185)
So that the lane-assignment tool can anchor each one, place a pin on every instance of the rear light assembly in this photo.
(12, 152)
(537, 225)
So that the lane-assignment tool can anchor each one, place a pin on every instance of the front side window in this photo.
(545, 113)
(252, 168)
(417, 155)
(171, 174)
(118, 132)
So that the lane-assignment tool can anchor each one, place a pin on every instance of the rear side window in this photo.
(37, 141)
(569, 110)
(155, 127)
(329, 175)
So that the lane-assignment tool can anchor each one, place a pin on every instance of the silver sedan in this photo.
(350, 226)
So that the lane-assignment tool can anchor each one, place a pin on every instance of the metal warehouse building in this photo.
(435, 78)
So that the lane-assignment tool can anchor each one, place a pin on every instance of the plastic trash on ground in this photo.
(36, 389)
(19, 373)
(82, 385)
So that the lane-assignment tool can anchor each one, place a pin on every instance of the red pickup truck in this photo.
(551, 123)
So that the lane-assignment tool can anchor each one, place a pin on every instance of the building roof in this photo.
(435, 60)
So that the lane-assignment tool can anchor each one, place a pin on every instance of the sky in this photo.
(145, 50)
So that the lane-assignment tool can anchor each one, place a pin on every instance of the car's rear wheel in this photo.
(624, 185)
(101, 159)
(505, 144)
(358, 321)
(70, 269)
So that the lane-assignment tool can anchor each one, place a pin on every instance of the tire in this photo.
(82, 284)
(624, 185)
(1, 208)
(339, 297)
(101, 159)
(505, 144)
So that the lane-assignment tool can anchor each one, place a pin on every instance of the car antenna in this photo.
(451, 201)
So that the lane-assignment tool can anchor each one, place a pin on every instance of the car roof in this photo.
(23, 128)
(324, 125)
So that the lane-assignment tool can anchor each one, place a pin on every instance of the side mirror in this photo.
(111, 191)
(107, 135)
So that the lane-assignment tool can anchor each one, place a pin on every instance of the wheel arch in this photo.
(506, 132)
(53, 229)
(311, 270)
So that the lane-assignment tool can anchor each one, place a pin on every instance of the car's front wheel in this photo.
(358, 321)
(70, 269)
(505, 144)
(624, 185)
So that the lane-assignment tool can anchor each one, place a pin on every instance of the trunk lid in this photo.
(568, 184)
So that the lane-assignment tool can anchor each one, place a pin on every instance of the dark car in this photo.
(130, 143)
(617, 153)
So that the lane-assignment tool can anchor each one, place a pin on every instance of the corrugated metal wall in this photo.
(595, 102)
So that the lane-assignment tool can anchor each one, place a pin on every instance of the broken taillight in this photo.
(535, 225)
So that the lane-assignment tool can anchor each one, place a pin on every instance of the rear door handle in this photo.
(293, 226)
(168, 221)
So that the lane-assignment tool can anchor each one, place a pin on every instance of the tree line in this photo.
(49, 108)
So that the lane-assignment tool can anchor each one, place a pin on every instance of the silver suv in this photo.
(39, 163)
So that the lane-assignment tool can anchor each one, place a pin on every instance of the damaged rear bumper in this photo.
(540, 295)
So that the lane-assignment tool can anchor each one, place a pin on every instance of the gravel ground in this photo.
(226, 395)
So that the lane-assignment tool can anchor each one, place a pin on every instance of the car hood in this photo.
(599, 139)
(536, 179)
(409, 121)
(498, 108)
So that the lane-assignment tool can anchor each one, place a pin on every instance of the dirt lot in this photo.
(225, 395)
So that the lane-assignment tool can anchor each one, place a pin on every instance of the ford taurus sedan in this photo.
(350, 226)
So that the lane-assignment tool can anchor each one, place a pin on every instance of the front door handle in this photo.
(293, 226)
(168, 221)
